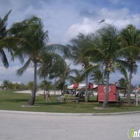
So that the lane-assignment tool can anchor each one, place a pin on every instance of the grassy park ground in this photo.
(18, 102)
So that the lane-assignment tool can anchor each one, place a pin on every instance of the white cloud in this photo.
(119, 18)
(10, 74)
(86, 27)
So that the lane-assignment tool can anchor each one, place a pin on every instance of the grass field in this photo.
(18, 102)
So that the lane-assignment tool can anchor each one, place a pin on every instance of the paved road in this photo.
(15, 126)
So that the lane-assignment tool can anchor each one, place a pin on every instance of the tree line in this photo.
(17, 86)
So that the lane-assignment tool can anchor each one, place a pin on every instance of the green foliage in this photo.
(30, 85)
(98, 76)
(130, 39)
(45, 85)
(3, 40)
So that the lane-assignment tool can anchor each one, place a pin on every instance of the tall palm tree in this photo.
(77, 55)
(3, 40)
(130, 39)
(105, 49)
(31, 44)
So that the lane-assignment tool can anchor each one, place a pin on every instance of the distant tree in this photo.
(45, 85)
(98, 76)
(62, 72)
(77, 77)
(123, 82)
(6, 84)
(30, 85)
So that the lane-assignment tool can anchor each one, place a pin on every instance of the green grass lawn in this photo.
(16, 101)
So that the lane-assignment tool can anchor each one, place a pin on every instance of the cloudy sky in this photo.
(64, 19)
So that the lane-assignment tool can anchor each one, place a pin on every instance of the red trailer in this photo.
(112, 96)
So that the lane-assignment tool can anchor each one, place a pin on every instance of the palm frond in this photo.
(4, 58)
(22, 69)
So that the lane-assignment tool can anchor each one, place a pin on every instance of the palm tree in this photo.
(98, 77)
(6, 84)
(49, 60)
(63, 73)
(105, 49)
(122, 82)
(78, 77)
(77, 55)
(45, 85)
(31, 44)
(44, 68)
(3, 40)
(130, 39)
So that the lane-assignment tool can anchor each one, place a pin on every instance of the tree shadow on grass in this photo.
(51, 103)
(16, 100)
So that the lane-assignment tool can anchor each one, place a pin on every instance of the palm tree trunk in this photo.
(107, 92)
(129, 89)
(32, 98)
(102, 71)
(55, 87)
(44, 88)
(86, 92)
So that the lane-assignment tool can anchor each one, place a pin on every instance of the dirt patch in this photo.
(128, 105)
(29, 106)
(101, 108)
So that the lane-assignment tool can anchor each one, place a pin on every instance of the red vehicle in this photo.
(112, 96)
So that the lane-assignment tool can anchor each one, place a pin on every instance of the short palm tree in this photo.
(78, 77)
(123, 82)
(63, 73)
(48, 61)
(45, 85)
(6, 84)
(98, 77)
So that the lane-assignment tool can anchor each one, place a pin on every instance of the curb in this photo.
(67, 114)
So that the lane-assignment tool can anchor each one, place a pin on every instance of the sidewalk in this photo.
(67, 114)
